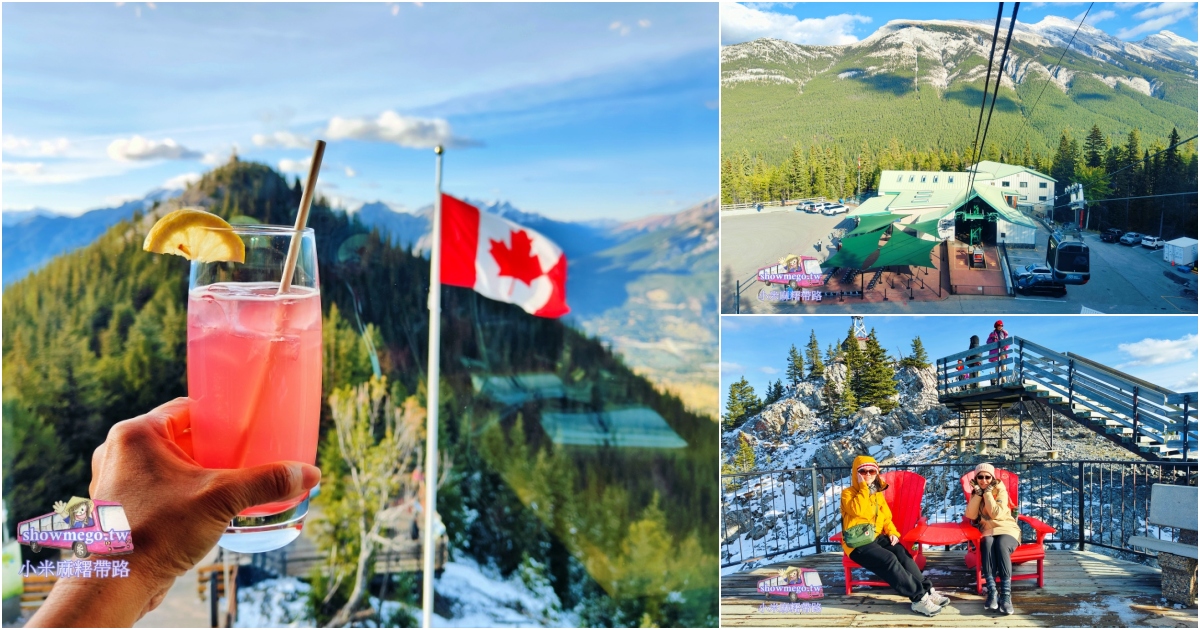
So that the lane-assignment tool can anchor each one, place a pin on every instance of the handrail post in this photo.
(1136, 392)
(1021, 362)
(816, 517)
(1186, 422)
(1080, 489)
(1071, 386)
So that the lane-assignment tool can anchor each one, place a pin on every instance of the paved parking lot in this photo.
(1124, 279)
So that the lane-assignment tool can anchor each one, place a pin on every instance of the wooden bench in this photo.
(1174, 506)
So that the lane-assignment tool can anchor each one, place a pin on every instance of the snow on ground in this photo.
(277, 603)
(478, 597)
(484, 599)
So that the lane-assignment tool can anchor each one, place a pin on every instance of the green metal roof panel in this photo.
(904, 249)
(871, 206)
(994, 197)
(997, 170)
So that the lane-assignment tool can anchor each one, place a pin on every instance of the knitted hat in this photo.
(986, 468)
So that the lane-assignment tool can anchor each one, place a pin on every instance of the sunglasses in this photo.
(868, 471)
(983, 477)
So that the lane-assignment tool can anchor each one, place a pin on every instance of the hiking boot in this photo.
(926, 606)
(1006, 606)
(993, 597)
(938, 598)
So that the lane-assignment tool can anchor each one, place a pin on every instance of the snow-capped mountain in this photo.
(920, 81)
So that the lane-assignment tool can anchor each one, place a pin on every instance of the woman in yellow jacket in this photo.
(863, 502)
(992, 512)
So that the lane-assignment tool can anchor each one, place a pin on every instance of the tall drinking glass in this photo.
(254, 372)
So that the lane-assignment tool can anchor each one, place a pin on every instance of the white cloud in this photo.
(350, 172)
(180, 182)
(1186, 384)
(769, 370)
(24, 147)
(1157, 18)
(1151, 351)
(138, 148)
(295, 166)
(406, 131)
(620, 27)
(729, 367)
(644, 23)
(1097, 17)
(284, 139)
(23, 170)
(741, 24)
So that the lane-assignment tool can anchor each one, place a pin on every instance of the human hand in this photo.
(60, 507)
(176, 509)
(895, 539)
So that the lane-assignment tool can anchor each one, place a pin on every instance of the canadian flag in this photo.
(502, 260)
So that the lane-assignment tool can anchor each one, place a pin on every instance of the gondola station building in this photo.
(998, 204)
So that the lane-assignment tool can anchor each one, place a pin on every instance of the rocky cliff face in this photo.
(798, 430)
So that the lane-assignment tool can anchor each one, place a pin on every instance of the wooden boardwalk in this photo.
(1083, 589)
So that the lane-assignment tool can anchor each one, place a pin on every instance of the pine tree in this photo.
(816, 367)
(735, 405)
(831, 355)
(743, 460)
(1064, 160)
(854, 358)
(795, 366)
(1094, 147)
(877, 381)
(846, 404)
(918, 358)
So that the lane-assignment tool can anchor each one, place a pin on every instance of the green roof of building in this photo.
(871, 206)
(994, 197)
(998, 170)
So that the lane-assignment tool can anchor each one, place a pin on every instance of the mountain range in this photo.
(645, 286)
(921, 82)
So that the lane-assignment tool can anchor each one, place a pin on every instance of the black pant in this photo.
(893, 565)
(995, 555)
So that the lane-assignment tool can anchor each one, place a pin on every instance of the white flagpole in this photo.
(431, 425)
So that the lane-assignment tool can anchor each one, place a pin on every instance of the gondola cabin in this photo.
(1069, 260)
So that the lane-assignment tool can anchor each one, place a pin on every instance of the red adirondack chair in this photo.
(903, 496)
(1027, 552)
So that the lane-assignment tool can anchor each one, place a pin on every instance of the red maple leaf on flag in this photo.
(518, 261)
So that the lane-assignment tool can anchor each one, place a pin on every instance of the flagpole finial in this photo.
(438, 149)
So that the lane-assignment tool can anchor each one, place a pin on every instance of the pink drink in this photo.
(254, 374)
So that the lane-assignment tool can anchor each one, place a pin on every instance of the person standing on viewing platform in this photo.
(998, 354)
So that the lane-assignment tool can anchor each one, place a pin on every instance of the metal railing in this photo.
(1156, 419)
(1090, 502)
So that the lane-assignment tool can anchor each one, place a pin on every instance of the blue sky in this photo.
(1161, 350)
(575, 111)
(846, 23)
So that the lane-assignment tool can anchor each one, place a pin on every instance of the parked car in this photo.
(1040, 285)
(809, 207)
(1131, 239)
(1111, 235)
(1034, 269)
(1152, 242)
(834, 208)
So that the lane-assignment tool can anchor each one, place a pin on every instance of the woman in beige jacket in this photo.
(992, 511)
